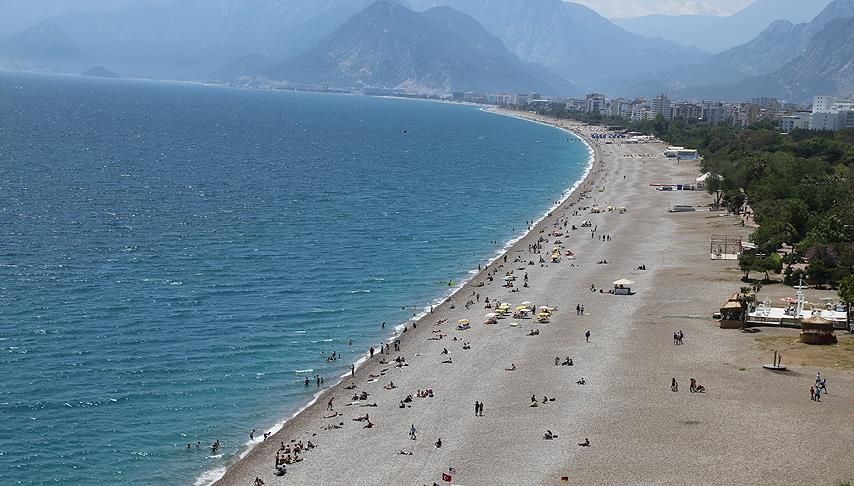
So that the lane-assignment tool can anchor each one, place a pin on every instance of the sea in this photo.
(176, 259)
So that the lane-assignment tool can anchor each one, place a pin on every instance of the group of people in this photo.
(287, 455)
(693, 387)
(819, 387)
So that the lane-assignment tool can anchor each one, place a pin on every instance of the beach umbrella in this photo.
(508, 277)
(522, 308)
(464, 321)
(527, 303)
(491, 315)
(504, 306)
(544, 314)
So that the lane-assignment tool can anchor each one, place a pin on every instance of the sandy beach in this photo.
(751, 426)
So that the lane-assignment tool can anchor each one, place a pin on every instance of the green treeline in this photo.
(799, 187)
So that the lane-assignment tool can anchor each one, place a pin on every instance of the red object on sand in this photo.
(564, 478)
(446, 477)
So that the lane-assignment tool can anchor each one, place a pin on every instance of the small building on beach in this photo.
(732, 313)
(817, 330)
(623, 287)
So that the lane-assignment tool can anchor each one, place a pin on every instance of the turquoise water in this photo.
(176, 259)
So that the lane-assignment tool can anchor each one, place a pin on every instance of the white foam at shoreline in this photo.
(208, 478)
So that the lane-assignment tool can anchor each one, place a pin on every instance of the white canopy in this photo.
(705, 177)
(624, 283)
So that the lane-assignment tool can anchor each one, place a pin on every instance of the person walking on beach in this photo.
(412, 432)
(578, 309)
(582, 309)
(587, 336)
(818, 394)
(352, 370)
(372, 351)
(812, 393)
(674, 387)
(251, 437)
(329, 404)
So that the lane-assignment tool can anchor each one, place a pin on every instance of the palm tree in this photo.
(745, 298)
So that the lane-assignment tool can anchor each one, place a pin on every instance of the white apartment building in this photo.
(595, 103)
(801, 120)
(660, 105)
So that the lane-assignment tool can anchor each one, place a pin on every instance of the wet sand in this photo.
(750, 427)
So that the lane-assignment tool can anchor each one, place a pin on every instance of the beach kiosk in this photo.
(817, 330)
(623, 287)
(732, 314)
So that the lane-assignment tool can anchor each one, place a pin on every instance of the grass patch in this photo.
(838, 356)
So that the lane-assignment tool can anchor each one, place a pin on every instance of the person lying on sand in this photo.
(549, 435)
(390, 386)
(368, 425)
(586, 443)
(362, 419)
(404, 453)
(351, 386)
(511, 368)
(581, 381)
(448, 361)
(568, 362)
(369, 405)
(334, 426)
(332, 416)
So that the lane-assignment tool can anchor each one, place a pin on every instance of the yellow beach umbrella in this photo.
(464, 321)
(522, 308)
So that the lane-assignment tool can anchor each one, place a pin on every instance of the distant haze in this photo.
(636, 8)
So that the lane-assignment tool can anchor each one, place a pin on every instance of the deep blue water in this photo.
(175, 259)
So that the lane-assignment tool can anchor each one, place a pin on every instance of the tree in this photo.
(746, 263)
(846, 293)
(745, 298)
(818, 273)
(734, 200)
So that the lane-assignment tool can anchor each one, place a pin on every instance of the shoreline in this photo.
(214, 475)
(617, 393)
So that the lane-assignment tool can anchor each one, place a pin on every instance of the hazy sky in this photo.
(634, 8)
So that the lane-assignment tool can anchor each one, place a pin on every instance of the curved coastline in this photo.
(570, 196)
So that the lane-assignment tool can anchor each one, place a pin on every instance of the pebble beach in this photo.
(751, 426)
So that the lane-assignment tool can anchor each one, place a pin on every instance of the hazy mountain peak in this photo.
(389, 45)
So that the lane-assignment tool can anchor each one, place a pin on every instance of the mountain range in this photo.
(432, 46)
(435, 51)
(570, 39)
(760, 66)
(716, 34)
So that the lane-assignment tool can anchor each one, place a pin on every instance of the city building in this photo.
(797, 121)
(594, 103)
(660, 105)
(713, 113)
(687, 111)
